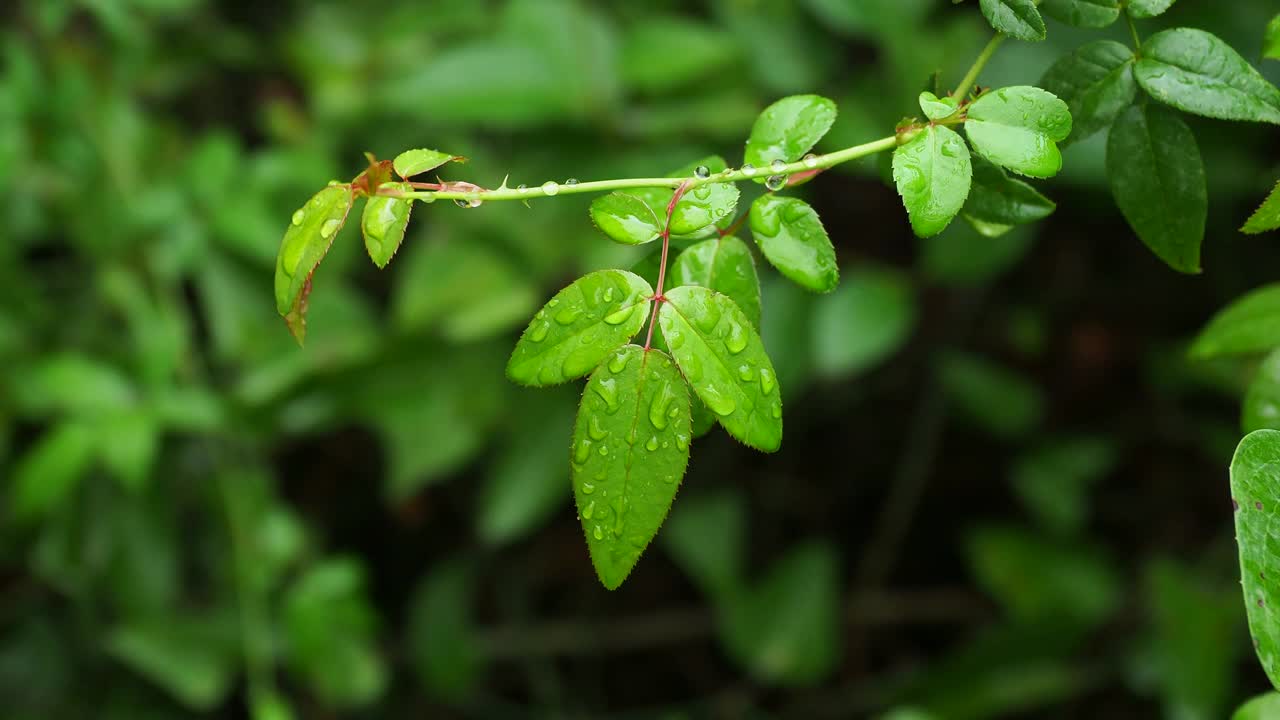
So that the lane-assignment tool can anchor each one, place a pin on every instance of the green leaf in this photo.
(724, 361)
(70, 382)
(1267, 216)
(1157, 179)
(442, 634)
(625, 218)
(707, 538)
(1019, 128)
(1142, 9)
(1001, 401)
(661, 53)
(792, 239)
(702, 207)
(415, 162)
(49, 473)
(936, 108)
(863, 322)
(1255, 494)
(1250, 324)
(723, 264)
(1198, 73)
(1053, 480)
(1082, 13)
(933, 172)
(996, 198)
(962, 257)
(630, 450)
(127, 444)
(383, 223)
(1271, 40)
(1096, 81)
(579, 327)
(787, 129)
(1261, 406)
(311, 232)
(1263, 707)
(786, 629)
(192, 658)
(463, 290)
(1016, 18)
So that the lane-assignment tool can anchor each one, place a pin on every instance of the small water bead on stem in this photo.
(749, 170)
(811, 160)
(522, 188)
(777, 166)
(550, 187)
(571, 181)
(702, 172)
(775, 182)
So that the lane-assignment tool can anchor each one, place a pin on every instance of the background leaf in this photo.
(1250, 324)
(1261, 406)
(1267, 216)
(1148, 8)
(866, 320)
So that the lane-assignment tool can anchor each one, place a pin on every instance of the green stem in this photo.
(1133, 31)
(971, 77)
(816, 162)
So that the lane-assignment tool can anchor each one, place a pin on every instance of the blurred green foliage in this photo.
(198, 517)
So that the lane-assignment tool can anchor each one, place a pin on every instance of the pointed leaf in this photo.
(1263, 707)
(630, 449)
(579, 327)
(1082, 13)
(933, 172)
(311, 232)
(1096, 81)
(1142, 9)
(1197, 72)
(1255, 495)
(725, 265)
(384, 222)
(1019, 128)
(699, 209)
(996, 198)
(1261, 406)
(625, 218)
(936, 108)
(787, 129)
(792, 239)
(415, 162)
(1267, 216)
(1016, 18)
(1157, 179)
(724, 361)
(1250, 324)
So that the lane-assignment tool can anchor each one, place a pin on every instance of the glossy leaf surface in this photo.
(311, 231)
(630, 449)
(1096, 81)
(787, 129)
(1016, 18)
(1267, 216)
(1019, 128)
(997, 198)
(415, 162)
(721, 356)
(1158, 181)
(625, 218)
(383, 224)
(933, 173)
(1255, 495)
(1142, 9)
(792, 239)
(937, 108)
(1082, 13)
(1250, 324)
(724, 265)
(579, 327)
(1198, 73)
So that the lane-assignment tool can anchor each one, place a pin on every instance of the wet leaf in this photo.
(1263, 707)
(1019, 128)
(1082, 13)
(383, 223)
(787, 129)
(1158, 181)
(936, 108)
(1255, 495)
(630, 449)
(1267, 216)
(311, 232)
(721, 356)
(579, 327)
(997, 198)
(415, 162)
(725, 265)
(1142, 9)
(1197, 72)
(1271, 40)
(792, 239)
(1016, 18)
(1250, 324)
(625, 218)
(933, 172)
(1261, 406)
(700, 208)
(1096, 81)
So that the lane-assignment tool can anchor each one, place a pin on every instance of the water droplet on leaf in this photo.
(775, 182)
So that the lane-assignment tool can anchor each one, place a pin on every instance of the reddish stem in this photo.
(734, 227)
(658, 297)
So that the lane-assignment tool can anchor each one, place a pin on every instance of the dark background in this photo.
(1002, 490)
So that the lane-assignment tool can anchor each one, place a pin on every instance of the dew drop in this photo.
(608, 294)
(618, 362)
(428, 198)
(550, 187)
(719, 404)
(682, 442)
(598, 534)
(568, 314)
(589, 510)
(604, 449)
(588, 488)
(462, 203)
(522, 188)
(692, 368)
(748, 169)
(571, 181)
(766, 380)
(659, 406)
(777, 166)
(299, 216)
(776, 412)
(580, 454)
(595, 430)
(745, 374)
(607, 389)
(329, 227)
(475, 202)
(736, 339)
(539, 332)
(775, 182)
(811, 160)
(702, 171)
(621, 315)
(652, 444)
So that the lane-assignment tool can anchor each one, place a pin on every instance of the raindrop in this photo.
(571, 181)
(748, 169)
(539, 332)
(329, 227)
(608, 294)
(580, 454)
(777, 166)
(618, 362)
(462, 203)
(682, 442)
(589, 510)
(604, 449)
(428, 198)
(568, 314)
(595, 430)
(766, 380)
(736, 339)
(522, 188)
(652, 444)
(717, 403)
(811, 160)
(588, 488)
(775, 182)
(702, 171)
(550, 187)
(620, 315)
(659, 406)
(745, 374)
(597, 534)
(608, 391)
(298, 216)
(776, 412)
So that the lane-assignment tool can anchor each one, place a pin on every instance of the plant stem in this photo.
(1133, 31)
(816, 162)
(971, 77)
(662, 264)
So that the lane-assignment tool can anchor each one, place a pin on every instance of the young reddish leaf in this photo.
(416, 162)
